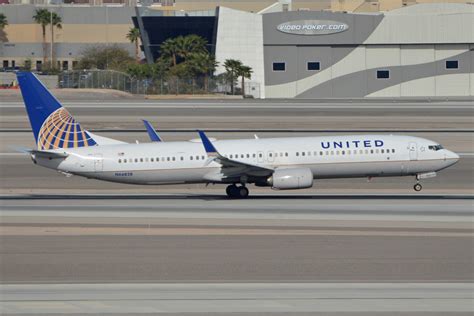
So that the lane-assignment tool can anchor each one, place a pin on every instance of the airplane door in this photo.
(413, 151)
(98, 163)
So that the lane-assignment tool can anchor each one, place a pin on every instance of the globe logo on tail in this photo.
(60, 130)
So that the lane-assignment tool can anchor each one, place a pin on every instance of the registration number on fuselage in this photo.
(124, 174)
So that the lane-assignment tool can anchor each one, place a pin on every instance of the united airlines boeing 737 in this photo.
(279, 163)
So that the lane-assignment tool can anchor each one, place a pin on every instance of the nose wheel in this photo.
(237, 192)
(417, 187)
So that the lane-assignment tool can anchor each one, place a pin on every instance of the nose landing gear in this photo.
(237, 192)
(417, 187)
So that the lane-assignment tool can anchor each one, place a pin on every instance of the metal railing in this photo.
(110, 79)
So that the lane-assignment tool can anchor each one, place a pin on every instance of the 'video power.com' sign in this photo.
(312, 27)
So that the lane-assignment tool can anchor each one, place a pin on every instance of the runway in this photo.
(242, 299)
(153, 238)
(345, 247)
(248, 114)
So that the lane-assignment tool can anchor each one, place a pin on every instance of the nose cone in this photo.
(452, 156)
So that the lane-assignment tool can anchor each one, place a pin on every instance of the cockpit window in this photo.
(435, 147)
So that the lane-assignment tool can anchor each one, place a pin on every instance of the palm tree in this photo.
(55, 21)
(231, 67)
(210, 65)
(43, 17)
(3, 21)
(191, 44)
(170, 49)
(133, 36)
(244, 72)
(182, 47)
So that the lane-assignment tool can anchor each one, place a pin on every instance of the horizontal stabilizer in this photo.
(48, 154)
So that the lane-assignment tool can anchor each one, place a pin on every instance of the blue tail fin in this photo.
(152, 132)
(52, 124)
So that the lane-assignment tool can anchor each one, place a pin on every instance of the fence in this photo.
(108, 79)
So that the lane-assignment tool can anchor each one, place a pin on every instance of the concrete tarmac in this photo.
(241, 299)
(113, 239)
(71, 245)
(193, 115)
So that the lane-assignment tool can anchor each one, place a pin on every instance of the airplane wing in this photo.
(154, 137)
(230, 167)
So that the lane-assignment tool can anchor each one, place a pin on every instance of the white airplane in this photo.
(279, 163)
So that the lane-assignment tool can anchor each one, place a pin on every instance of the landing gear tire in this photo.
(230, 189)
(236, 192)
(417, 187)
(243, 192)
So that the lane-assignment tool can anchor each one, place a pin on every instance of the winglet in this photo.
(208, 146)
(152, 132)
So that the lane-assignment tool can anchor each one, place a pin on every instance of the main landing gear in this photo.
(237, 192)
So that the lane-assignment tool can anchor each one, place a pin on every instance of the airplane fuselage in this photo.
(187, 161)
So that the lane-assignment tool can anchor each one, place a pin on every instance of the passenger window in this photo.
(203, 157)
(320, 153)
(141, 159)
(197, 157)
(157, 159)
(120, 160)
(125, 160)
(182, 158)
(393, 150)
(286, 154)
(376, 151)
(303, 153)
(168, 158)
(371, 151)
(260, 155)
(231, 156)
(297, 154)
(174, 158)
(248, 155)
(254, 155)
(190, 157)
(343, 152)
(136, 160)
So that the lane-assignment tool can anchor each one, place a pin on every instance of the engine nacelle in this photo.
(291, 178)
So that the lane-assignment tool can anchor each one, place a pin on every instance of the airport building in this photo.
(297, 49)
(424, 50)
(82, 27)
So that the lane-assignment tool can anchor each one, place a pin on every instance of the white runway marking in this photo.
(236, 297)
(230, 105)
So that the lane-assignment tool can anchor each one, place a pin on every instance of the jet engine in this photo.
(291, 178)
